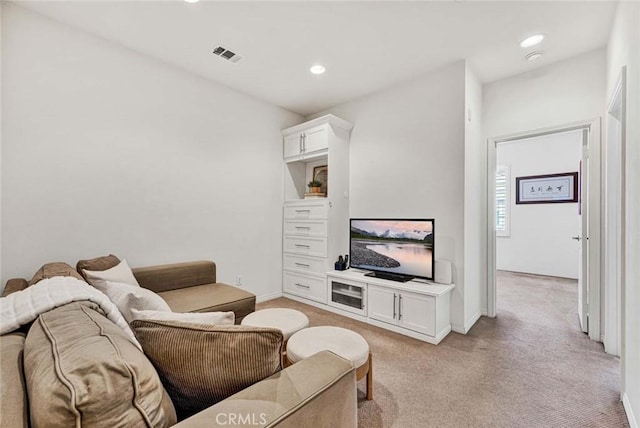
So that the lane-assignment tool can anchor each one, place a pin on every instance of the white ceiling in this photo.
(365, 46)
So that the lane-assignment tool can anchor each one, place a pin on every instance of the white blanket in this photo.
(24, 306)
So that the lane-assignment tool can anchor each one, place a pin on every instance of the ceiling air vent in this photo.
(227, 54)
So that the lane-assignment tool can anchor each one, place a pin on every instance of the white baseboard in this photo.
(467, 325)
(471, 322)
(265, 297)
(458, 328)
(633, 422)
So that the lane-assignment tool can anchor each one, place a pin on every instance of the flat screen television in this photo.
(396, 249)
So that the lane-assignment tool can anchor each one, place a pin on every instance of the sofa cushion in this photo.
(82, 370)
(50, 270)
(128, 297)
(13, 392)
(13, 285)
(201, 365)
(217, 297)
(119, 273)
(98, 263)
(176, 275)
(211, 318)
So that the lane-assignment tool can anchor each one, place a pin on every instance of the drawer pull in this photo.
(303, 227)
(301, 246)
(302, 264)
(303, 211)
(303, 286)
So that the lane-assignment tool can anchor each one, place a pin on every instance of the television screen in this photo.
(396, 246)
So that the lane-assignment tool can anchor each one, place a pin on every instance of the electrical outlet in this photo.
(239, 280)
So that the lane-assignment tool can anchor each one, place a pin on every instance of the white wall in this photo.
(540, 239)
(561, 93)
(407, 160)
(624, 50)
(106, 150)
(475, 202)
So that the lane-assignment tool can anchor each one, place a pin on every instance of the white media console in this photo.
(314, 233)
(417, 309)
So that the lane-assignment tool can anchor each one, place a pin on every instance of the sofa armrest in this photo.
(14, 408)
(177, 275)
(319, 391)
(13, 285)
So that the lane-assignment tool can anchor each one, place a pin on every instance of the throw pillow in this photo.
(99, 263)
(82, 370)
(209, 318)
(128, 297)
(50, 270)
(119, 273)
(200, 365)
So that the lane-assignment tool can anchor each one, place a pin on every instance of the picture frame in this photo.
(547, 189)
(321, 174)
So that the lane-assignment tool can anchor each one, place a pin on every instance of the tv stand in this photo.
(398, 277)
(416, 309)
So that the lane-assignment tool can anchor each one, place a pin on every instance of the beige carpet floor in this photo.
(529, 367)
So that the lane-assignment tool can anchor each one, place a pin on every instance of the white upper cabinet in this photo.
(313, 138)
(301, 144)
(292, 146)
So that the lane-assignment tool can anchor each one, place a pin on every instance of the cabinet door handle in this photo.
(394, 305)
(303, 211)
(301, 246)
(400, 307)
(304, 143)
(300, 144)
(303, 228)
(303, 286)
(302, 264)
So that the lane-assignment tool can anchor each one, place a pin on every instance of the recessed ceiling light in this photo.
(192, 1)
(533, 56)
(532, 41)
(317, 69)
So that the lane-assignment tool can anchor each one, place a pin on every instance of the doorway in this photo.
(588, 274)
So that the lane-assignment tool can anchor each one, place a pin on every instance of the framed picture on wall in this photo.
(320, 174)
(547, 189)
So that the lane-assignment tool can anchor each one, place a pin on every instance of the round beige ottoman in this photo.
(345, 343)
(288, 321)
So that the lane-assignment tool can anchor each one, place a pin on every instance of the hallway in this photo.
(582, 382)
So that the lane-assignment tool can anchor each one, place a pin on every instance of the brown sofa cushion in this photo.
(13, 392)
(97, 264)
(50, 270)
(82, 370)
(217, 297)
(176, 275)
(13, 285)
(202, 364)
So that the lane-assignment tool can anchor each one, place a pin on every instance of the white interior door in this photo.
(583, 238)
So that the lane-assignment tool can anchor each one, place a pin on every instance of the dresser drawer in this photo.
(308, 246)
(306, 210)
(309, 287)
(305, 264)
(305, 227)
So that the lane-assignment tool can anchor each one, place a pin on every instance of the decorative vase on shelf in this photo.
(315, 186)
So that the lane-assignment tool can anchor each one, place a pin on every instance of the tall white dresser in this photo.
(315, 231)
